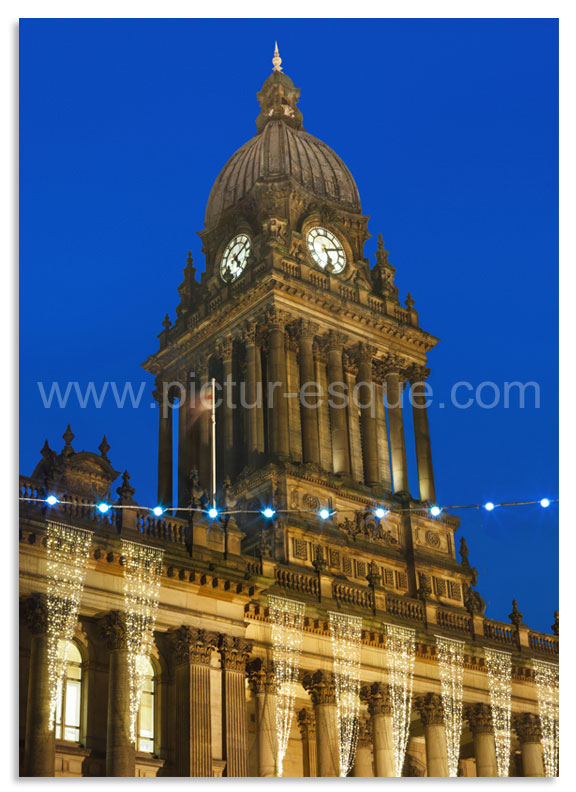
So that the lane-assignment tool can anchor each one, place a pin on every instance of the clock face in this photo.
(235, 257)
(326, 249)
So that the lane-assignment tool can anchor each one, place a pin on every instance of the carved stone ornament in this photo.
(364, 733)
(430, 708)
(306, 723)
(432, 539)
(377, 696)
(34, 611)
(261, 676)
(234, 652)
(479, 717)
(528, 728)
(320, 685)
(193, 645)
(113, 630)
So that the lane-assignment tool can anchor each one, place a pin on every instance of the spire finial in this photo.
(276, 60)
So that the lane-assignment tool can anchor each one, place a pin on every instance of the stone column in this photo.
(164, 446)
(337, 395)
(192, 649)
(432, 717)
(422, 435)
(203, 426)
(279, 439)
(394, 388)
(252, 391)
(262, 684)
(234, 653)
(527, 727)
(120, 759)
(367, 405)
(320, 686)
(307, 726)
(185, 450)
(225, 351)
(479, 717)
(39, 745)
(308, 411)
(363, 767)
(377, 696)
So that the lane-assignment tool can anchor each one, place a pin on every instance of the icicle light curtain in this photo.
(67, 555)
(346, 646)
(500, 687)
(547, 680)
(451, 665)
(142, 570)
(400, 652)
(287, 617)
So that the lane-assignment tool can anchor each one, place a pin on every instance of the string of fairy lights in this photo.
(346, 632)
(400, 655)
(451, 668)
(325, 513)
(499, 666)
(546, 677)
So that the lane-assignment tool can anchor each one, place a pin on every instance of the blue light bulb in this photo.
(213, 513)
(52, 500)
(158, 511)
(435, 511)
(268, 513)
(380, 513)
(544, 503)
(489, 506)
(103, 507)
(324, 513)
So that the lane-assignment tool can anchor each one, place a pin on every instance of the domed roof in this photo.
(282, 149)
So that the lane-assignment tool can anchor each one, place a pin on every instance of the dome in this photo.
(282, 149)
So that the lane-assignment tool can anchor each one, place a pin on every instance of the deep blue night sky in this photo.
(450, 128)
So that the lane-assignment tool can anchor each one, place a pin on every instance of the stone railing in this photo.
(28, 488)
(544, 644)
(171, 529)
(405, 608)
(296, 581)
(350, 595)
(500, 633)
(457, 622)
(320, 281)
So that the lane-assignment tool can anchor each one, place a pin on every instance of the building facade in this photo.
(288, 306)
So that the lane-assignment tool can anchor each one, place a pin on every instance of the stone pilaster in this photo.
(422, 435)
(39, 742)
(337, 396)
(253, 391)
(234, 653)
(120, 758)
(432, 716)
(308, 408)
(320, 686)
(528, 728)
(225, 349)
(394, 388)
(366, 403)
(192, 649)
(261, 678)
(479, 717)
(363, 766)
(185, 449)
(307, 726)
(377, 696)
(164, 446)
(277, 379)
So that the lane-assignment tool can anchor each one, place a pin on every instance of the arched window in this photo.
(146, 713)
(70, 700)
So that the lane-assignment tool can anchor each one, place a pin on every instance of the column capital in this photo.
(430, 709)
(394, 365)
(276, 319)
(377, 696)
(250, 333)
(479, 717)
(261, 676)
(365, 353)
(34, 610)
(364, 732)
(417, 374)
(306, 329)
(193, 645)
(113, 630)
(224, 347)
(528, 727)
(234, 652)
(321, 687)
(335, 341)
(306, 722)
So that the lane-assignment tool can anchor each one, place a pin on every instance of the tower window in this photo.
(69, 702)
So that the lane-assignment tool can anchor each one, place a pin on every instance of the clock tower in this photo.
(318, 364)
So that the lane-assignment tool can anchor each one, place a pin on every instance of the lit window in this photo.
(145, 722)
(69, 702)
